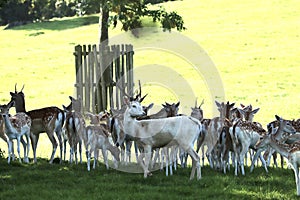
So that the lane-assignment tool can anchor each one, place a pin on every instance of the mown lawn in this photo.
(44, 181)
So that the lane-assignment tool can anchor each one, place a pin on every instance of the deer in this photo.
(98, 139)
(214, 130)
(274, 125)
(74, 106)
(284, 127)
(245, 135)
(73, 127)
(167, 110)
(48, 119)
(182, 131)
(5, 138)
(247, 113)
(197, 113)
(15, 127)
(291, 152)
(116, 127)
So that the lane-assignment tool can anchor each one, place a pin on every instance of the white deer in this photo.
(155, 133)
(15, 127)
(291, 152)
(98, 139)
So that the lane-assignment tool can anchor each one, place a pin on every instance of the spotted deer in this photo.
(291, 152)
(99, 139)
(15, 127)
(73, 126)
(245, 135)
(214, 130)
(48, 119)
(284, 129)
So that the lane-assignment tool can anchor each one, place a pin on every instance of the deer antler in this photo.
(22, 88)
(201, 103)
(196, 102)
(16, 88)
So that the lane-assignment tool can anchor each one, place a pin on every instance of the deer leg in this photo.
(147, 152)
(195, 163)
(104, 154)
(156, 155)
(128, 151)
(296, 172)
(71, 155)
(34, 141)
(257, 153)
(88, 154)
(58, 134)
(10, 144)
(24, 144)
(80, 151)
(281, 161)
(28, 147)
(136, 150)
(95, 158)
(54, 145)
(75, 151)
(18, 148)
(263, 162)
(65, 148)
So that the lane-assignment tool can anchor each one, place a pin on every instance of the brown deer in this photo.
(15, 127)
(48, 119)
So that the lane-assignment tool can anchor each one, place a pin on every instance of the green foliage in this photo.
(131, 13)
(14, 11)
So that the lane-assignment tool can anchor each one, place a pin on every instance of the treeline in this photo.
(20, 12)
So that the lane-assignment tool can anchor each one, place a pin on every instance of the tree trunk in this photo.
(103, 22)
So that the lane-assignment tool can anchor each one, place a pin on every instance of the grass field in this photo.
(253, 44)
(73, 181)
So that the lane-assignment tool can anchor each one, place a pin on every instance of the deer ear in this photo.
(64, 107)
(150, 105)
(218, 104)
(241, 111)
(255, 111)
(177, 104)
(277, 117)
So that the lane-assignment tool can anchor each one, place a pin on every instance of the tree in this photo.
(130, 13)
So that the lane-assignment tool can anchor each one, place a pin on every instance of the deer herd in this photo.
(166, 137)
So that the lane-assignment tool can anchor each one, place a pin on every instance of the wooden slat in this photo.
(97, 71)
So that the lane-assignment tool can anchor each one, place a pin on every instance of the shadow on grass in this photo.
(60, 24)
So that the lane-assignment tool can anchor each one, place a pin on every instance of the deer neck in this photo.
(278, 133)
(281, 150)
(8, 125)
(20, 105)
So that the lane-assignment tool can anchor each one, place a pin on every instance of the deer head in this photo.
(197, 112)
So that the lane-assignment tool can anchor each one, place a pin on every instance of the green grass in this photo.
(253, 44)
(30, 181)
